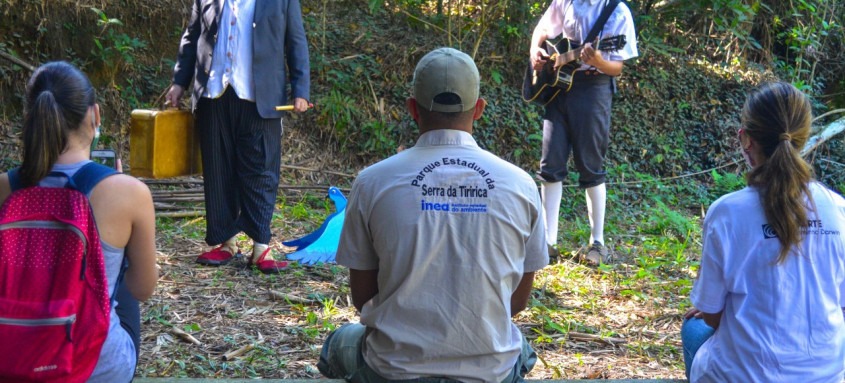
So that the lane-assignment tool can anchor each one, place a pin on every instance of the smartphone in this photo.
(105, 157)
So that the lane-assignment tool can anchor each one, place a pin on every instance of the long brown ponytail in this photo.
(778, 117)
(58, 96)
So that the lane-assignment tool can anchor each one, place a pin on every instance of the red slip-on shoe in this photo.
(217, 256)
(270, 266)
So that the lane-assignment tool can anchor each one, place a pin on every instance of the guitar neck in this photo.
(570, 55)
(574, 54)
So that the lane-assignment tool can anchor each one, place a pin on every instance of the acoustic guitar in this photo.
(542, 86)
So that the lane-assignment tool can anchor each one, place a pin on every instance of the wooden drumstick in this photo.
(287, 108)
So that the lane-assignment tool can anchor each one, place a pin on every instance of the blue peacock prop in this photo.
(321, 245)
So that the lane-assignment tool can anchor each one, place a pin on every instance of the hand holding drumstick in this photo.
(299, 105)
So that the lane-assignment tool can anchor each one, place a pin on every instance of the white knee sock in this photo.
(551, 193)
(596, 200)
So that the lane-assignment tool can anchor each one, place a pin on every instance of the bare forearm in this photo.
(360, 299)
(519, 298)
(610, 68)
(712, 320)
(363, 286)
(539, 36)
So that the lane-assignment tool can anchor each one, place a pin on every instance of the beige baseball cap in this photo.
(446, 70)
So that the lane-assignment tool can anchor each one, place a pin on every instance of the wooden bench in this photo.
(208, 380)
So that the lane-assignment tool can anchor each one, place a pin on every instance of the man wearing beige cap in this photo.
(442, 241)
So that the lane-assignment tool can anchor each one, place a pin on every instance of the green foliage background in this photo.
(675, 112)
(672, 153)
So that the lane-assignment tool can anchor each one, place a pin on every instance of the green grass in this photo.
(654, 228)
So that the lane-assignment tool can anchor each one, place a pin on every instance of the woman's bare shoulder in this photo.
(122, 189)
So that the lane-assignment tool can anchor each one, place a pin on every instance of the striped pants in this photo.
(241, 157)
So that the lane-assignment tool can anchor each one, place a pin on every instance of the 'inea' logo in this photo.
(768, 232)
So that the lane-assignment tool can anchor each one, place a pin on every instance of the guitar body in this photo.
(565, 74)
(540, 86)
(536, 90)
(543, 86)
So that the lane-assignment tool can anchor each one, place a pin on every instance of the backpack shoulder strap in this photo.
(85, 179)
(14, 179)
(599, 25)
(88, 176)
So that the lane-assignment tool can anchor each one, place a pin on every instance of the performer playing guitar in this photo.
(579, 120)
(557, 69)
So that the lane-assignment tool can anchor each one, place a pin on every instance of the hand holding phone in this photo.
(105, 157)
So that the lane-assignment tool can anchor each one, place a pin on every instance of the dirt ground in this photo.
(233, 321)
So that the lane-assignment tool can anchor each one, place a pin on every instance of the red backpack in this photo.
(54, 298)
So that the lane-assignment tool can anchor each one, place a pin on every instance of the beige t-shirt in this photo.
(451, 229)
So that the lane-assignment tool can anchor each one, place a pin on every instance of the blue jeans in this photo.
(341, 358)
(694, 332)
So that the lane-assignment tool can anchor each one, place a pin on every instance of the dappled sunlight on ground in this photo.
(584, 327)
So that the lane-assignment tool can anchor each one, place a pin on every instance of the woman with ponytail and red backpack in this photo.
(771, 286)
(61, 121)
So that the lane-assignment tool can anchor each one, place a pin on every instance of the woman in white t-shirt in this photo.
(771, 287)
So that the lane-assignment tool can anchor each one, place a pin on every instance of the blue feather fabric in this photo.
(320, 246)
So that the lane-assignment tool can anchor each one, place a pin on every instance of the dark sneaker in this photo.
(554, 253)
(597, 254)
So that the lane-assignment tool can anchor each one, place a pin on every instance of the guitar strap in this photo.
(599, 25)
